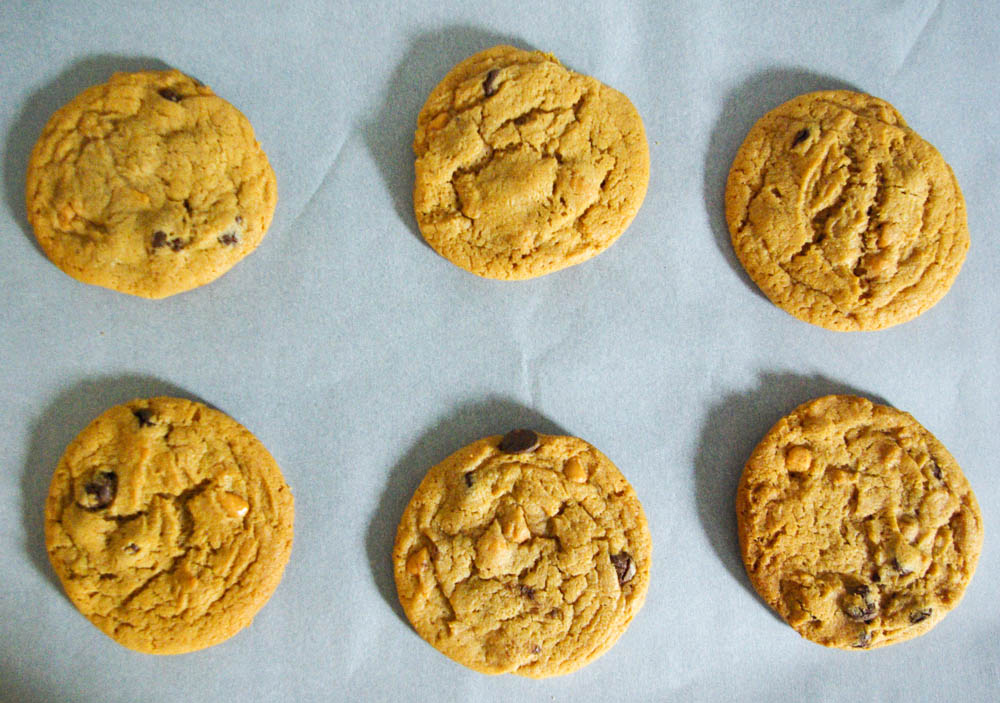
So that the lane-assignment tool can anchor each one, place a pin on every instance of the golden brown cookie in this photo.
(169, 525)
(856, 524)
(524, 167)
(524, 554)
(843, 215)
(149, 184)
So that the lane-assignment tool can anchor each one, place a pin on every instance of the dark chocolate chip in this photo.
(132, 548)
(229, 239)
(144, 416)
(624, 567)
(488, 85)
(526, 591)
(920, 615)
(554, 613)
(239, 219)
(101, 490)
(176, 244)
(864, 639)
(936, 470)
(800, 137)
(862, 606)
(536, 649)
(468, 479)
(159, 239)
(519, 442)
(875, 577)
(170, 95)
(187, 206)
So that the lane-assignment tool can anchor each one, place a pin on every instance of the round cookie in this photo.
(856, 525)
(524, 167)
(149, 184)
(524, 554)
(169, 525)
(843, 215)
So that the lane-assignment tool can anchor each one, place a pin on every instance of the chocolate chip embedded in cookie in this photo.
(149, 184)
(843, 215)
(523, 553)
(168, 524)
(856, 524)
(524, 167)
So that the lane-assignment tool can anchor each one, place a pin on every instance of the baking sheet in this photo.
(360, 357)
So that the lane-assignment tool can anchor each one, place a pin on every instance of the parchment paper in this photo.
(360, 357)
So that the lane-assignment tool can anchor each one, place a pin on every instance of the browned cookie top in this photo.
(169, 525)
(856, 524)
(525, 553)
(149, 184)
(524, 167)
(843, 215)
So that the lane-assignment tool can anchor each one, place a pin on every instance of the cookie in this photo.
(523, 553)
(856, 525)
(524, 167)
(843, 215)
(169, 525)
(149, 184)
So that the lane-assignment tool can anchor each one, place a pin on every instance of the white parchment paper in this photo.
(360, 357)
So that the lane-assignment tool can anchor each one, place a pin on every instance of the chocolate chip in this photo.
(239, 219)
(159, 239)
(519, 442)
(920, 615)
(536, 649)
(229, 239)
(170, 95)
(132, 548)
(800, 137)
(861, 605)
(187, 206)
(144, 416)
(176, 244)
(936, 470)
(468, 479)
(101, 490)
(624, 567)
(526, 591)
(864, 639)
(554, 613)
(488, 85)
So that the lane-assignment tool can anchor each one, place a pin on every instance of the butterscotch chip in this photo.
(843, 215)
(149, 184)
(873, 541)
(524, 167)
(169, 525)
(522, 569)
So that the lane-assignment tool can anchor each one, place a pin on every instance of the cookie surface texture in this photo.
(524, 167)
(524, 554)
(169, 525)
(856, 525)
(843, 215)
(149, 184)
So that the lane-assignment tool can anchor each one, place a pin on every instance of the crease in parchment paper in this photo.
(935, 15)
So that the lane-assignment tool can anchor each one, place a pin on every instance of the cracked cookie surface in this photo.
(843, 215)
(524, 554)
(169, 525)
(524, 167)
(856, 525)
(149, 184)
